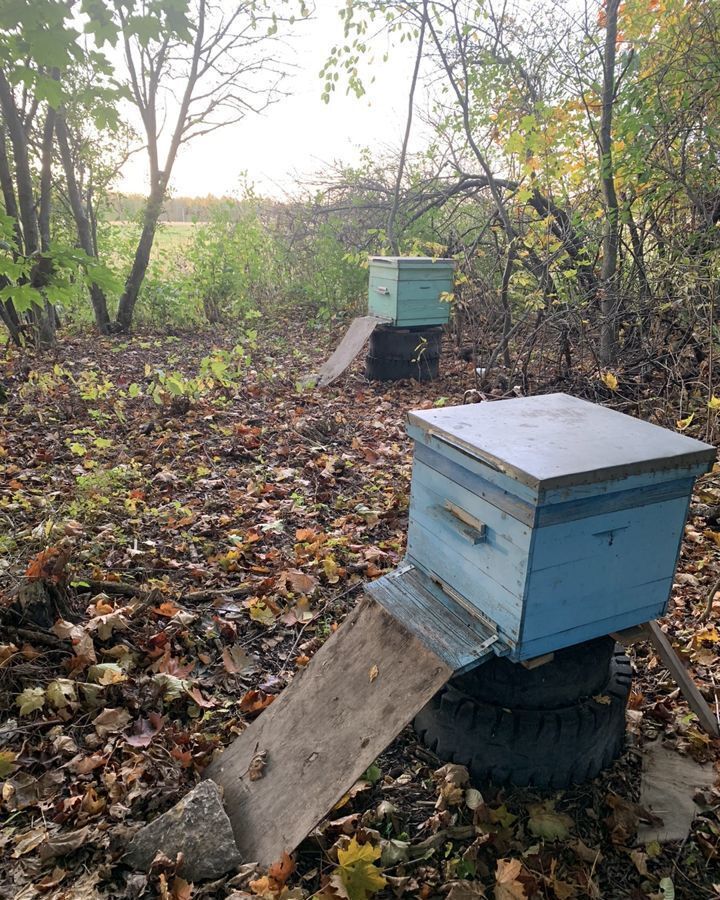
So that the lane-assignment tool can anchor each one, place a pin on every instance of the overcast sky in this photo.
(296, 136)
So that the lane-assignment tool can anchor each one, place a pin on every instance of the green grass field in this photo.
(170, 235)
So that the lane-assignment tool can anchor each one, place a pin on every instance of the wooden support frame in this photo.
(651, 631)
(537, 661)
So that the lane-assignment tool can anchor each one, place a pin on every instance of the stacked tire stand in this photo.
(399, 353)
(413, 294)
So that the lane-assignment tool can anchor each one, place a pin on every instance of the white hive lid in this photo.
(553, 440)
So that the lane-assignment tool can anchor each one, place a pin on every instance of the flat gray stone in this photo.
(197, 827)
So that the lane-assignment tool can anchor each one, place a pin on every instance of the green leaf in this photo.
(60, 692)
(546, 823)
(372, 774)
(30, 700)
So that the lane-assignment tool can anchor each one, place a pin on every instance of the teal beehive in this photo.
(410, 290)
(545, 521)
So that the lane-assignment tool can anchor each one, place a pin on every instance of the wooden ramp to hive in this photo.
(355, 338)
(361, 688)
(287, 770)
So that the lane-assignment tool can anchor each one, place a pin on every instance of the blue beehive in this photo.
(408, 290)
(546, 521)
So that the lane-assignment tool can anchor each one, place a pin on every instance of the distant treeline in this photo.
(128, 207)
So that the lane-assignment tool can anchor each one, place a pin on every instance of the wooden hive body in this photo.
(551, 519)
(408, 290)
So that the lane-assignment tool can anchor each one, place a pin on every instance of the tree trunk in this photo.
(8, 313)
(126, 307)
(609, 299)
(42, 316)
(505, 303)
(26, 198)
(82, 223)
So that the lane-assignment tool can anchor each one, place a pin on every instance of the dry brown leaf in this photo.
(91, 803)
(236, 660)
(110, 721)
(465, 890)
(48, 565)
(255, 701)
(144, 730)
(27, 842)
(300, 582)
(63, 843)
(281, 870)
(83, 765)
(507, 885)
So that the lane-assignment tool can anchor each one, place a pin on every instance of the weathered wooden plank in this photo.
(614, 501)
(629, 636)
(595, 604)
(355, 337)
(494, 555)
(361, 688)
(500, 490)
(431, 488)
(680, 674)
(645, 535)
(588, 630)
(441, 558)
(444, 626)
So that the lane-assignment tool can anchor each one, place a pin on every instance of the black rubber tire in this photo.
(379, 369)
(551, 748)
(404, 343)
(573, 674)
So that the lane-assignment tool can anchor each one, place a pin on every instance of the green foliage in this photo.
(321, 274)
(233, 265)
(100, 490)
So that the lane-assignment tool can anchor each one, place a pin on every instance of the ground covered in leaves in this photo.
(182, 525)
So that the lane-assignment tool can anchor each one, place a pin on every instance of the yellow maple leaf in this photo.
(331, 570)
(610, 380)
(682, 424)
(714, 402)
(357, 872)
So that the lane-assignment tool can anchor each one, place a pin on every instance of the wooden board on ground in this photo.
(357, 334)
(292, 765)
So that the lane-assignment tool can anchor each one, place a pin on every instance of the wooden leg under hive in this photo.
(674, 665)
(284, 773)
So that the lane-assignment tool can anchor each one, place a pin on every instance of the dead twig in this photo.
(708, 605)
